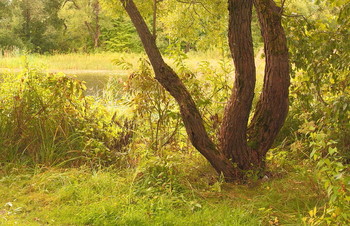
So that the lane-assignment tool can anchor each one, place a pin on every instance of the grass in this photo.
(97, 61)
(181, 191)
(107, 197)
(104, 61)
(64, 61)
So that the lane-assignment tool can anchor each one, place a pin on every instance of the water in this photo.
(94, 83)
(95, 80)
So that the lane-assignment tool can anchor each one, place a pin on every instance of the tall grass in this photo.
(46, 119)
(105, 61)
(101, 61)
(143, 196)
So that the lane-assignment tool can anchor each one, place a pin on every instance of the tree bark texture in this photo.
(241, 147)
(272, 108)
(233, 134)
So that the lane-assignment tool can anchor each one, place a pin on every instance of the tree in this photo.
(197, 24)
(8, 40)
(83, 20)
(241, 148)
(33, 25)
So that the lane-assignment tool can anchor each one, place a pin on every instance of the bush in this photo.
(47, 119)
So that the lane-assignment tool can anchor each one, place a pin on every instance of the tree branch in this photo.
(272, 107)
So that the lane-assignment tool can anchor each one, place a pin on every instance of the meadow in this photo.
(81, 196)
(106, 61)
(72, 164)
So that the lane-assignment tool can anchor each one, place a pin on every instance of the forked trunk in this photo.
(191, 117)
(240, 149)
(248, 151)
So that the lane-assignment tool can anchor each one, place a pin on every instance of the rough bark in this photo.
(171, 82)
(272, 107)
(233, 134)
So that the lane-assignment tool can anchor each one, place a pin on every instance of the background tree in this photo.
(8, 23)
(38, 21)
(83, 23)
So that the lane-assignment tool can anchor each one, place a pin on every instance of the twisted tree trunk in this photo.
(241, 148)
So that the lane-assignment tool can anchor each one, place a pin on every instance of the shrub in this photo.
(47, 119)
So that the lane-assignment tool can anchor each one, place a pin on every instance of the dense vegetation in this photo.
(122, 156)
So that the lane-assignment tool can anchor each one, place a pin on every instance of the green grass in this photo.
(182, 191)
(97, 61)
(64, 61)
(104, 61)
(109, 197)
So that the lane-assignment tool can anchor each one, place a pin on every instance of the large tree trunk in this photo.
(171, 82)
(249, 151)
(238, 151)
(233, 134)
(272, 108)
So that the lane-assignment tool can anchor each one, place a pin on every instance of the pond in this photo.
(96, 80)
(95, 83)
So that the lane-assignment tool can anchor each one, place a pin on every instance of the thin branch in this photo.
(282, 5)
(196, 2)
(294, 15)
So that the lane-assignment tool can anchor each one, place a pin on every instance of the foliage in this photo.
(155, 112)
(49, 26)
(36, 19)
(159, 125)
(83, 21)
(8, 22)
(200, 25)
(121, 37)
(320, 101)
(47, 119)
(334, 174)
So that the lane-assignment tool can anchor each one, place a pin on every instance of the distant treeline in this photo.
(61, 26)
(51, 26)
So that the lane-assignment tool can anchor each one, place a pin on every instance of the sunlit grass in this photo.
(183, 191)
(107, 197)
(106, 61)
(102, 61)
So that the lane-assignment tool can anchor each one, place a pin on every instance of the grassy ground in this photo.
(101, 61)
(106, 61)
(182, 191)
(133, 197)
